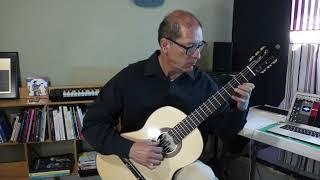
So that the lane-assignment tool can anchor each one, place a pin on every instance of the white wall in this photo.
(76, 42)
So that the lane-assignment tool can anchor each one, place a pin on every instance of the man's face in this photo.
(179, 60)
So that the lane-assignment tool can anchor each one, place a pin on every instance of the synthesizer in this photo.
(73, 94)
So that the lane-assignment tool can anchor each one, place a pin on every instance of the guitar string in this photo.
(223, 92)
(220, 92)
(192, 120)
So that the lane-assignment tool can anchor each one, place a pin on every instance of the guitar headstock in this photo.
(264, 58)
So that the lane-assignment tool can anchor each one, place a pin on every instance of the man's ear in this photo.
(164, 45)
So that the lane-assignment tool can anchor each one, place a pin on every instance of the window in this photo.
(305, 21)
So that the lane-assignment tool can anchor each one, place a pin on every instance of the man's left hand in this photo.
(242, 95)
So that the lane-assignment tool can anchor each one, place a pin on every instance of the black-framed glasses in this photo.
(193, 48)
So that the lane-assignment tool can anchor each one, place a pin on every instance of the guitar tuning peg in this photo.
(275, 61)
(262, 48)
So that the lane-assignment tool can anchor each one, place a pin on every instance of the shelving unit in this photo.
(16, 158)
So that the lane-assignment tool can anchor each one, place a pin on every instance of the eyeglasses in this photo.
(193, 48)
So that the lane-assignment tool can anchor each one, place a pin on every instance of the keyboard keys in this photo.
(301, 130)
(73, 94)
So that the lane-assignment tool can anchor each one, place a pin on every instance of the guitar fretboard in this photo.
(214, 102)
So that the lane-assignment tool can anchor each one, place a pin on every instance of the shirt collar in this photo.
(153, 67)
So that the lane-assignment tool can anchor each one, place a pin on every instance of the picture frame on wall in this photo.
(9, 75)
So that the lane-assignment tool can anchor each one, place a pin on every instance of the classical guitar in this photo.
(177, 132)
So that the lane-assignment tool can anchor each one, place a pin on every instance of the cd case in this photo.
(52, 163)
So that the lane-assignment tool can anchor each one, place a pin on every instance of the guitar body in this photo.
(111, 167)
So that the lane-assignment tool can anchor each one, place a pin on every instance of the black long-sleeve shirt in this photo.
(137, 91)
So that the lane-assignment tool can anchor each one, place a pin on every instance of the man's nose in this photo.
(196, 54)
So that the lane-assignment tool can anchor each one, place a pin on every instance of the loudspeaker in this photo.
(222, 57)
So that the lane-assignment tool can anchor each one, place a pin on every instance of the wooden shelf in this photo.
(9, 144)
(43, 102)
(26, 101)
(14, 170)
(69, 102)
(20, 169)
(21, 103)
(31, 142)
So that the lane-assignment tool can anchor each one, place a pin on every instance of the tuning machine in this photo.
(274, 61)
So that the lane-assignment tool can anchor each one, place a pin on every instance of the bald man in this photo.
(169, 77)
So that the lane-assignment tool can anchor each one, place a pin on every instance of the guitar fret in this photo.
(199, 115)
(183, 129)
(207, 107)
(203, 111)
(195, 125)
(186, 127)
(180, 130)
(175, 138)
(226, 91)
(243, 76)
(230, 85)
(176, 132)
(217, 100)
(221, 96)
(212, 103)
(237, 81)
(251, 71)
(189, 125)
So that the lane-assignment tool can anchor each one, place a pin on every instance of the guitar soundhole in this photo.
(167, 143)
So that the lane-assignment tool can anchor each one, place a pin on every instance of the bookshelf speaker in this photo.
(222, 57)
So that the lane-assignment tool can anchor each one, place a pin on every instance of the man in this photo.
(168, 78)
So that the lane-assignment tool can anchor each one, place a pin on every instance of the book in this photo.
(87, 164)
(15, 129)
(52, 125)
(42, 175)
(5, 128)
(86, 158)
(43, 125)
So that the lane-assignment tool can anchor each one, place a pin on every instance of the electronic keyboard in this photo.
(73, 94)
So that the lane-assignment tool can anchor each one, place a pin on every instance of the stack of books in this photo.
(5, 128)
(87, 164)
(29, 126)
(52, 166)
(66, 122)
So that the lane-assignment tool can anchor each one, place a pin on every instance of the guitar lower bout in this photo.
(156, 127)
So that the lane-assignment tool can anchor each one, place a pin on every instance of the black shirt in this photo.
(141, 88)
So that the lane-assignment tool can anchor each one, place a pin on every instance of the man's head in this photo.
(181, 40)
(170, 27)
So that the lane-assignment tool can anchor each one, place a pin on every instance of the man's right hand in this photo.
(146, 153)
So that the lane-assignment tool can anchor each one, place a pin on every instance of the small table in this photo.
(255, 129)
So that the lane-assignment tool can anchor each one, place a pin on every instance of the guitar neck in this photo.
(212, 104)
